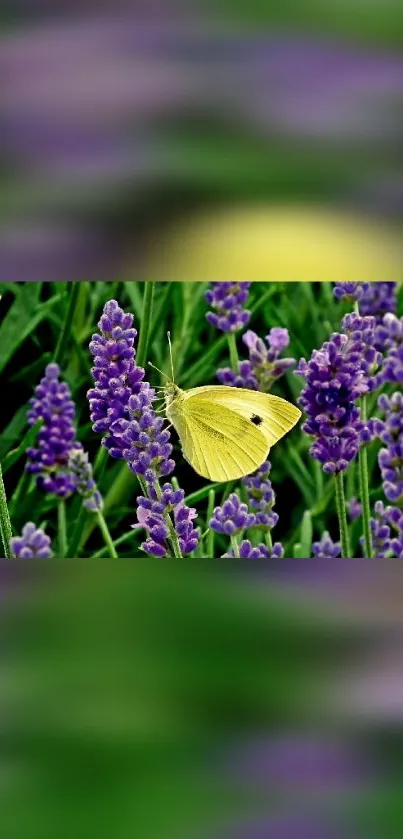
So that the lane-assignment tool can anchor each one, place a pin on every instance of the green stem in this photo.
(363, 477)
(342, 516)
(364, 488)
(146, 316)
(107, 536)
(100, 462)
(269, 540)
(122, 539)
(207, 360)
(20, 490)
(235, 546)
(233, 352)
(77, 533)
(211, 534)
(5, 524)
(64, 335)
(62, 535)
(173, 536)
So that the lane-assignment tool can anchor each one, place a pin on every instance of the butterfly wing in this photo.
(218, 443)
(275, 416)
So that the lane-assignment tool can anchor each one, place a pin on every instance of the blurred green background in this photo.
(189, 701)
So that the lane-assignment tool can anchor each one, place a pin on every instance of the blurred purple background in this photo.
(116, 118)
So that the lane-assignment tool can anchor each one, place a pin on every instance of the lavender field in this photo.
(91, 468)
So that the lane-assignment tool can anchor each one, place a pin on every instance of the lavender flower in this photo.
(228, 300)
(53, 404)
(390, 458)
(395, 518)
(85, 484)
(378, 299)
(152, 515)
(387, 532)
(261, 497)
(121, 402)
(260, 551)
(349, 291)
(361, 347)
(354, 508)
(233, 517)
(121, 405)
(264, 365)
(336, 376)
(326, 548)
(114, 372)
(389, 337)
(32, 544)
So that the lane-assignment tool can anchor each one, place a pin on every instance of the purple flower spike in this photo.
(85, 484)
(115, 374)
(152, 515)
(387, 532)
(390, 458)
(264, 365)
(228, 300)
(121, 403)
(336, 376)
(389, 336)
(349, 291)
(261, 497)
(53, 404)
(326, 548)
(378, 299)
(233, 517)
(32, 544)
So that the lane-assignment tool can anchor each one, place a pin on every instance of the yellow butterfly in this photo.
(227, 432)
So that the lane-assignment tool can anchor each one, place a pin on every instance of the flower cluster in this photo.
(121, 403)
(326, 548)
(264, 365)
(390, 458)
(152, 514)
(52, 403)
(336, 376)
(389, 338)
(361, 347)
(81, 468)
(378, 299)
(228, 301)
(261, 497)
(350, 291)
(261, 551)
(387, 532)
(234, 517)
(32, 544)
(114, 372)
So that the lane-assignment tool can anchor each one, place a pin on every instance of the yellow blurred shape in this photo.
(277, 243)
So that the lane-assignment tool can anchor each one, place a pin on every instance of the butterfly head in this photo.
(171, 393)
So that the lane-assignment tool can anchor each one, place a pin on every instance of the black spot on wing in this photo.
(256, 419)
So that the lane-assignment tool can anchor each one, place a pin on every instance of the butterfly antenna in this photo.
(170, 355)
(158, 370)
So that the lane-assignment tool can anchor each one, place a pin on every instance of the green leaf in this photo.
(13, 430)
(22, 319)
(306, 535)
(27, 441)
